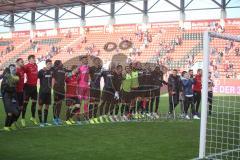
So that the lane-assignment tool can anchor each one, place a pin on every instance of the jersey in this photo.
(59, 80)
(45, 77)
(127, 83)
(83, 76)
(71, 85)
(135, 82)
(198, 83)
(95, 75)
(31, 71)
(20, 73)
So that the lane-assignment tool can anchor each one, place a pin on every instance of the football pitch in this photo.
(159, 139)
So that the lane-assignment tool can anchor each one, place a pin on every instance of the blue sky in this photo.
(158, 13)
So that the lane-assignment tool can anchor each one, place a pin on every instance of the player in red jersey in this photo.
(19, 88)
(197, 88)
(83, 85)
(72, 100)
(30, 88)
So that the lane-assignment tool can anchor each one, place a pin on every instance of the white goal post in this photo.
(204, 110)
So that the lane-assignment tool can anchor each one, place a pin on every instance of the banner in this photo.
(227, 86)
(21, 34)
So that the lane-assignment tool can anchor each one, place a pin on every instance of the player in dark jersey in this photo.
(117, 82)
(59, 73)
(8, 90)
(72, 100)
(107, 95)
(20, 84)
(158, 82)
(95, 77)
(30, 88)
(45, 77)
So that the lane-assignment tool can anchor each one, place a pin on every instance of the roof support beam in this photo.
(228, 2)
(133, 6)
(153, 5)
(43, 14)
(174, 5)
(21, 17)
(217, 3)
(95, 6)
(188, 4)
(56, 6)
(120, 8)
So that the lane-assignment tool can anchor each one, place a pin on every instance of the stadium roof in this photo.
(7, 6)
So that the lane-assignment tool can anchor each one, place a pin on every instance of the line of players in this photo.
(132, 93)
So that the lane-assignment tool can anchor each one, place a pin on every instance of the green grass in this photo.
(160, 140)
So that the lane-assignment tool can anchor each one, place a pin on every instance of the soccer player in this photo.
(72, 100)
(19, 88)
(187, 83)
(95, 77)
(8, 90)
(157, 81)
(59, 73)
(83, 85)
(126, 92)
(117, 82)
(174, 90)
(210, 93)
(197, 87)
(30, 88)
(107, 95)
(148, 89)
(135, 90)
(45, 77)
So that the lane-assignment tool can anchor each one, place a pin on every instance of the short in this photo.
(45, 98)
(108, 95)
(126, 97)
(95, 94)
(83, 93)
(58, 96)
(11, 104)
(30, 92)
(70, 101)
(20, 98)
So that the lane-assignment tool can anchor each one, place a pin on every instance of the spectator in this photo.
(236, 51)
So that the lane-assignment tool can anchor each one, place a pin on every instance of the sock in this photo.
(58, 109)
(40, 115)
(122, 109)
(54, 110)
(90, 110)
(24, 110)
(8, 121)
(95, 110)
(68, 114)
(33, 109)
(45, 115)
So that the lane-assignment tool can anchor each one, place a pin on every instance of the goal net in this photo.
(220, 128)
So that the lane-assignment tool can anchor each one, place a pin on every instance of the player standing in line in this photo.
(117, 82)
(45, 77)
(187, 83)
(8, 90)
(134, 90)
(95, 92)
(197, 87)
(174, 90)
(157, 80)
(210, 93)
(59, 73)
(19, 88)
(30, 88)
(107, 96)
(126, 93)
(72, 100)
(83, 85)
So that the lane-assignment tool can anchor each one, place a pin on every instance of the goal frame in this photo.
(204, 110)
